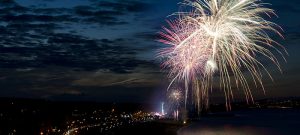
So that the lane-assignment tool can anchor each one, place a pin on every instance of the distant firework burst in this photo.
(175, 101)
(175, 96)
(218, 40)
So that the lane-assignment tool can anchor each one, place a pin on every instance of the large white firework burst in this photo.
(218, 40)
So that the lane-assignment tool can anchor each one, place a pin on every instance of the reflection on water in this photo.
(251, 122)
(227, 130)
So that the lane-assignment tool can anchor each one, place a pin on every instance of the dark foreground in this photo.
(151, 128)
(284, 121)
(40, 117)
(247, 122)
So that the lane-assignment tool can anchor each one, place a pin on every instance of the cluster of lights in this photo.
(105, 121)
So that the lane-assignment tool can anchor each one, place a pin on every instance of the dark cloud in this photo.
(8, 3)
(11, 7)
(152, 36)
(96, 15)
(49, 11)
(42, 82)
(14, 9)
(37, 18)
(108, 12)
(104, 20)
(37, 27)
(102, 13)
(28, 39)
(90, 11)
(68, 83)
(66, 50)
(49, 0)
(125, 5)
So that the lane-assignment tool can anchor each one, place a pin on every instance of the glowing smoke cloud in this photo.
(218, 40)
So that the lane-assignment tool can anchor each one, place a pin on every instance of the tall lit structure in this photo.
(162, 108)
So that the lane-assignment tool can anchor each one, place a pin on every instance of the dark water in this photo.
(247, 122)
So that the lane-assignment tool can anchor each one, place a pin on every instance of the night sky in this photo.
(104, 50)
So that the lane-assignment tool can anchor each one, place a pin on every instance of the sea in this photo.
(283, 121)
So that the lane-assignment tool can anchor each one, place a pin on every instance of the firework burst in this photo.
(175, 101)
(175, 96)
(218, 40)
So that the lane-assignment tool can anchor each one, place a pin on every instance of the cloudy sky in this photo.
(104, 50)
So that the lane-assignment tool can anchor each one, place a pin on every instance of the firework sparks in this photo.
(175, 96)
(217, 40)
(175, 100)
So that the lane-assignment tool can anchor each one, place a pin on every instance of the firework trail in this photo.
(218, 40)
